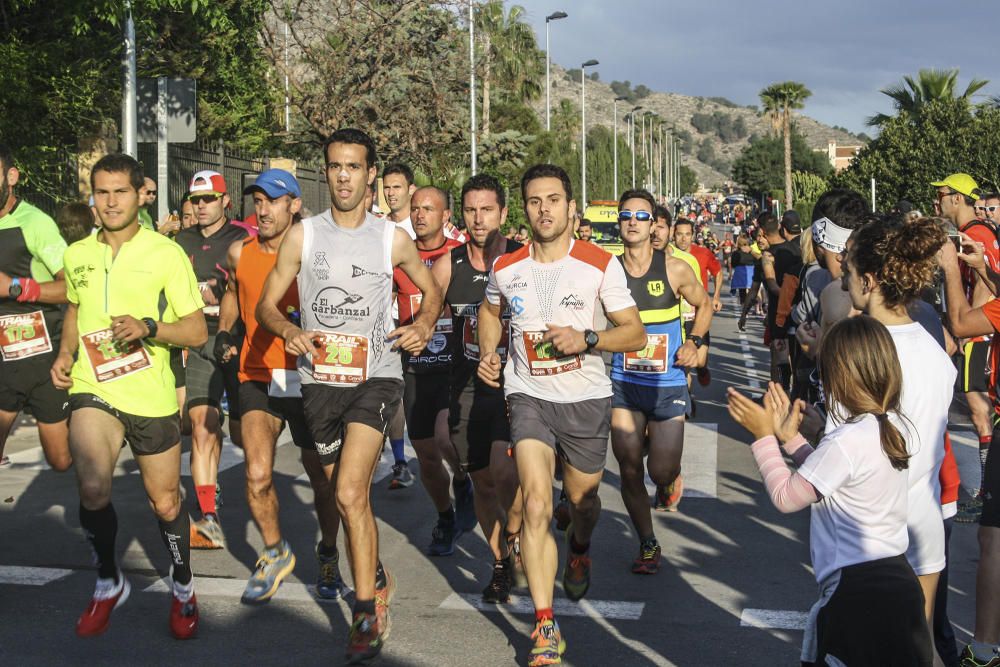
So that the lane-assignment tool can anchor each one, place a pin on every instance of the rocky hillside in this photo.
(713, 131)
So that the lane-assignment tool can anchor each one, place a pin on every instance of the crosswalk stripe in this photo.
(613, 609)
(775, 619)
(31, 576)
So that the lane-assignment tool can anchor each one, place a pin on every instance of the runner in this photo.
(132, 295)
(207, 245)
(650, 386)
(270, 395)
(427, 384)
(463, 272)
(708, 265)
(343, 260)
(558, 395)
(31, 284)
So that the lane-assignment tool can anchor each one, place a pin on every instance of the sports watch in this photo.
(15, 289)
(697, 340)
(590, 338)
(151, 325)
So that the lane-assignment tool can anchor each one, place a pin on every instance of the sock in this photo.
(544, 614)
(647, 541)
(326, 551)
(397, 450)
(459, 486)
(278, 546)
(206, 498)
(576, 547)
(380, 580)
(983, 650)
(448, 515)
(176, 536)
(984, 450)
(101, 527)
(364, 606)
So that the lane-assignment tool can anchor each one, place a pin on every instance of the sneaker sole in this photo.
(126, 590)
(268, 594)
(645, 569)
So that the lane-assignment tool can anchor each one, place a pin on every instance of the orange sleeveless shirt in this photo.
(262, 351)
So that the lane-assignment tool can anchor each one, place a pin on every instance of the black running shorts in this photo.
(254, 396)
(26, 383)
(144, 435)
(329, 409)
(425, 395)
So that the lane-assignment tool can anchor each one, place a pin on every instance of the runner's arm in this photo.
(490, 329)
(964, 321)
(49, 291)
(413, 338)
(62, 366)
(189, 331)
(281, 277)
(441, 269)
(690, 289)
(229, 308)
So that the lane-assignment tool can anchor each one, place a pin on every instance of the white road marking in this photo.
(965, 445)
(31, 576)
(233, 588)
(776, 619)
(612, 609)
(754, 383)
(699, 462)
(749, 363)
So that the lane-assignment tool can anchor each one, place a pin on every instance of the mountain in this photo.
(712, 131)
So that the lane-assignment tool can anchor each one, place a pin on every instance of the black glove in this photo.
(223, 341)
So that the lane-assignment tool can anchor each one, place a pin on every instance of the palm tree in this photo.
(779, 100)
(509, 54)
(930, 85)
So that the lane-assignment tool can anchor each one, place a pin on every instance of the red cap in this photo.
(207, 183)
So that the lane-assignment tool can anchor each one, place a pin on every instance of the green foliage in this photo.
(930, 85)
(720, 124)
(722, 101)
(807, 188)
(760, 166)
(940, 138)
(688, 179)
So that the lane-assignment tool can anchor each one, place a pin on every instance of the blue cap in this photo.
(275, 183)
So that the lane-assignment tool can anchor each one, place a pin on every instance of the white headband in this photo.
(830, 235)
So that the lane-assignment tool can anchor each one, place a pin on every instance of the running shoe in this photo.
(108, 596)
(4, 461)
(402, 478)
(516, 571)
(206, 533)
(183, 613)
(330, 585)
(667, 498)
(498, 590)
(969, 659)
(704, 376)
(443, 538)
(273, 566)
(383, 597)
(465, 508)
(364, 639)
(576, 574)
(549, 644)
(648, 560)
(562, 514)
(969, 512)
(218, 495)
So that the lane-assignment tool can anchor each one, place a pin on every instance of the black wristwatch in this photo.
(151, 325)
(591, 339)
(697, 340)
(15, 289)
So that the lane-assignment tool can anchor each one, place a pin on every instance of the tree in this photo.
(779, 100)
(808, 187)
(509, 54)
(760, 166)
(689, 180)
(930, 85)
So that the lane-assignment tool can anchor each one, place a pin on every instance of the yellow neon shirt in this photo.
(150, 277)
(691, 261)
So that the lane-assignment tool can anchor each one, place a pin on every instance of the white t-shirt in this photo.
(862, 516)
(568, 292)
(928, 382)
(407, 227)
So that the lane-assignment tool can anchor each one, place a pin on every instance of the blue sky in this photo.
(844, 51)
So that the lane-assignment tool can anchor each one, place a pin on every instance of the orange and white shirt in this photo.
(573, 291)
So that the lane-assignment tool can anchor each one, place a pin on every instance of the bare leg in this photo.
(260, 434)
(361, 451)
(536, 469)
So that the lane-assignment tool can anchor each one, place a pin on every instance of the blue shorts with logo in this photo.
(657, 403)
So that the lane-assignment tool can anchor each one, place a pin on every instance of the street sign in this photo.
(181, 110)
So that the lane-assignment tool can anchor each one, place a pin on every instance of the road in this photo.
(733, 589)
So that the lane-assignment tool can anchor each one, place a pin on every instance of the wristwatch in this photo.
(590, 338)
(15, 289)
(697, 340)
(151, 325)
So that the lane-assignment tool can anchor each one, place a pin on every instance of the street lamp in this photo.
(631, 141)
(554, 16)
(583, 127)
(615, 143)
(472, 85)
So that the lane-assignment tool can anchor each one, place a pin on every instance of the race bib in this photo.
(340, 359)
(213, 311)
(542, 359)
(650, 359)
(470, 339)
(23, 336)
(111, 359)
(285, 384)
(443, 325)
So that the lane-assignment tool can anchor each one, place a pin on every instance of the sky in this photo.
(843, 51)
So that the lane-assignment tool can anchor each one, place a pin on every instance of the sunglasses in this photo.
(942, 195)
(640, 216)
(208, 199)
(988, 209)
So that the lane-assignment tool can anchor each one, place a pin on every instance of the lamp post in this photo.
(631, 141)
(129, 113)
(472, 85)
(614, 141)
(583, 129)
(554, 16)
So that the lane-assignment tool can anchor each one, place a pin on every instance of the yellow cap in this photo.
(960, 183)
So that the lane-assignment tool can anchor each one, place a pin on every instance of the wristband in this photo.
(223, 340)
(151, 325)
(30, 290)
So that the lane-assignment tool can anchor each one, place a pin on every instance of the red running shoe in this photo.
(108, 596)
(183, 617)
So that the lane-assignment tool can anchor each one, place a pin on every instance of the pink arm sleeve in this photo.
(790, 492)
(799, 449)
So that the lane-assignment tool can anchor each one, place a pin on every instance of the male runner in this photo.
(650, 386)
(206, 245)
(131, 294)
(343, 260)
(708, 266)
(557, 392)
(31, 284)
(427, 384)
(463, 272)
(270, 395)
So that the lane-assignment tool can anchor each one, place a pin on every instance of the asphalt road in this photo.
(733, 588)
